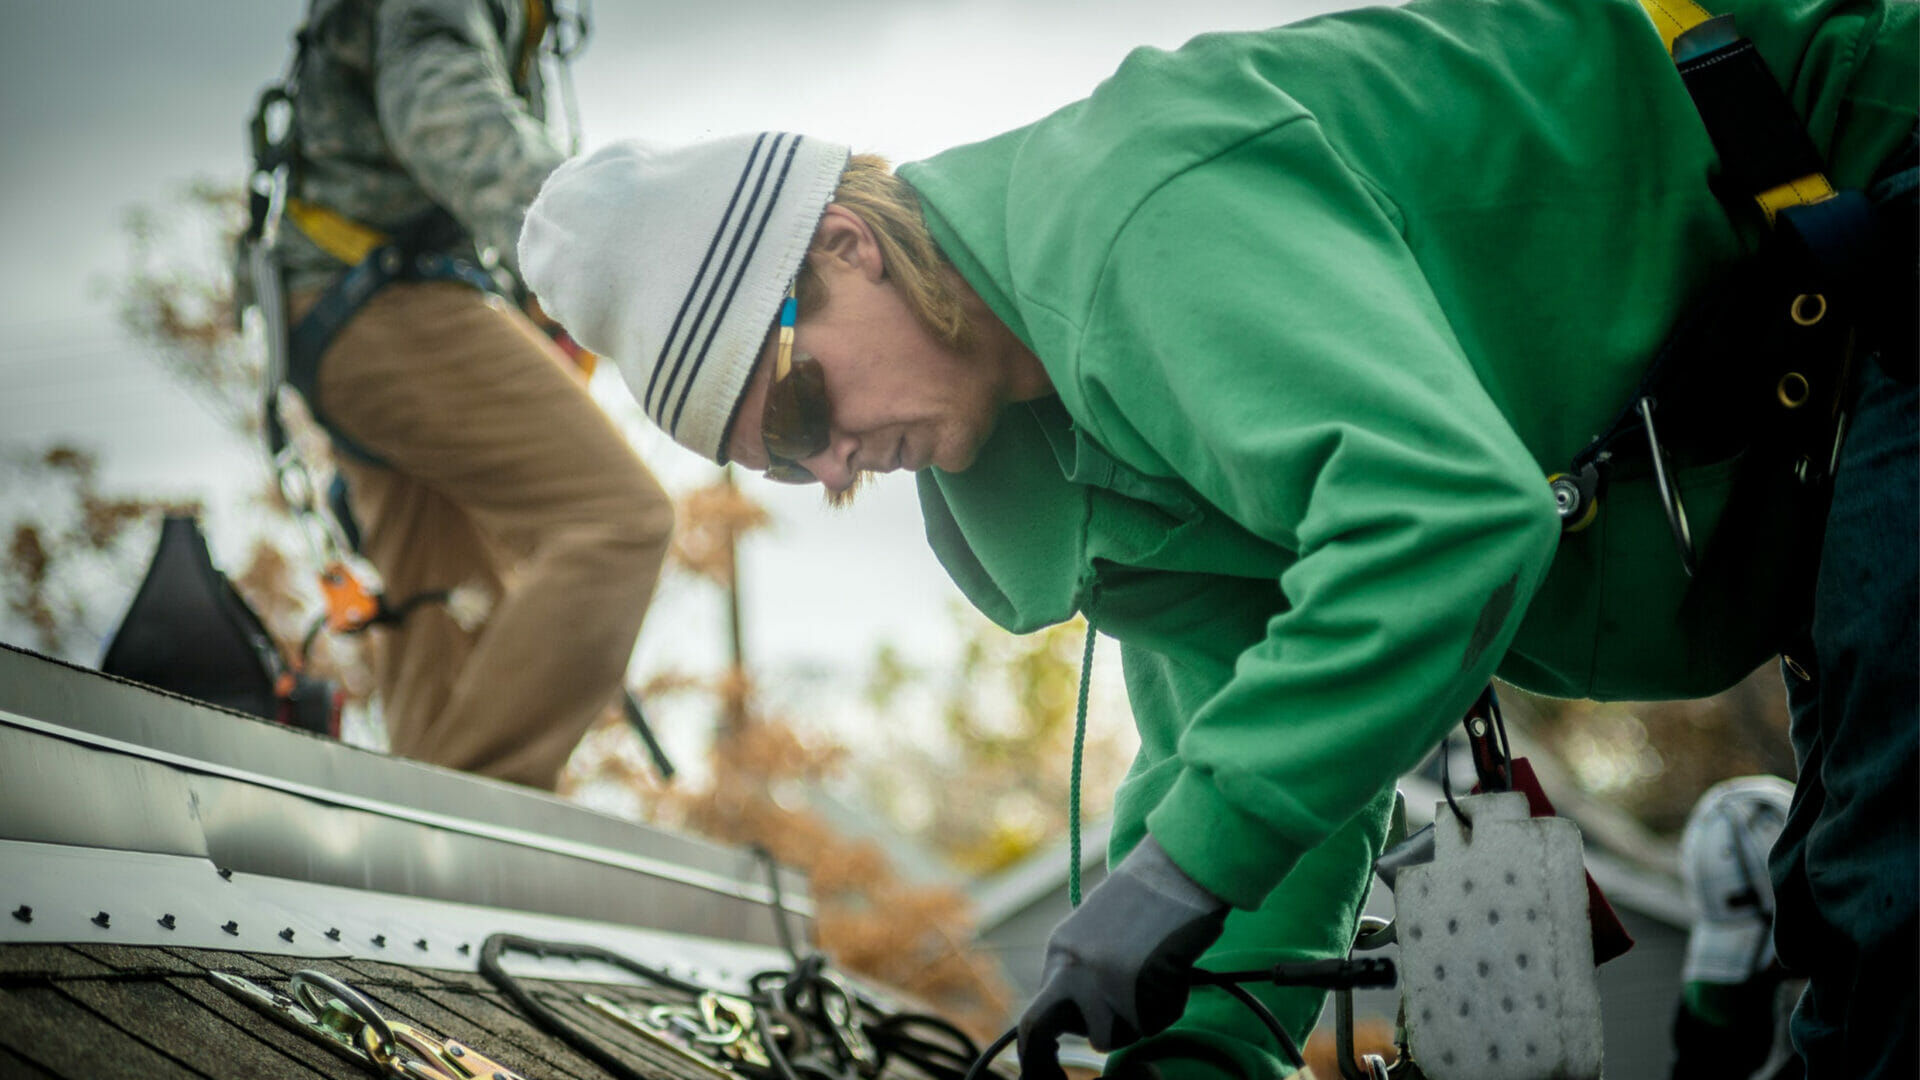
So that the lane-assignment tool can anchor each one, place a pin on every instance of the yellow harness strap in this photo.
(1809, 189)
(1672, 18)
(339, 236)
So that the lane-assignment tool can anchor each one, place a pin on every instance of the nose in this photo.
(834, 465)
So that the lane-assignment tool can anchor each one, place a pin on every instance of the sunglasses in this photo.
(797, 418)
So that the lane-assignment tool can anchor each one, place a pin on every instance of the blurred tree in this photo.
(72, 549)
(1655, 759)
(177, 297)
(71, 545)
(995, 784)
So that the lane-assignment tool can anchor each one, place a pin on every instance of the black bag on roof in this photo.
(189, 632)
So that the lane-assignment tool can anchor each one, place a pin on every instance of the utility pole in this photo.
(734, 701)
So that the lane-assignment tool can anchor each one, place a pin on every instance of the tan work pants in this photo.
(499, 472)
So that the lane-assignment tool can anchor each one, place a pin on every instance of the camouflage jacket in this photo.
(402, 105)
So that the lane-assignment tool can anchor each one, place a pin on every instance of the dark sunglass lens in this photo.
(788, 472)
(796, 420)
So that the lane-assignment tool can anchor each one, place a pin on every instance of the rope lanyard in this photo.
(1073, 782)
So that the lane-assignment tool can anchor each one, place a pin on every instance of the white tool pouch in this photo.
(1496, 955)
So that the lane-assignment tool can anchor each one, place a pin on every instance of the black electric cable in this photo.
(1500, 728)
(551, 1020)
(1446, 784)
(978, 1071)
(777, 903)
(1366, 972)
(892, 1038)
(892, 1030)
(1324, 974)
(890, 1034)
(499, 943)
(772, 1046)
(1287, 1045)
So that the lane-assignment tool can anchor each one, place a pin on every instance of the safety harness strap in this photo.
(1673, 18)
(1765, 153)
(1816, 240)
(334, 233)
(381, 266)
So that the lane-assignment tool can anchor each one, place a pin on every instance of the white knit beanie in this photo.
(673, 261)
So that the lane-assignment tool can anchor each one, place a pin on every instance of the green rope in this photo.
(1073, 785)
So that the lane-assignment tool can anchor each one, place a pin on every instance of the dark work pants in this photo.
(1845, 869)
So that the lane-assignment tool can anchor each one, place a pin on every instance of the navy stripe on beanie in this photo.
(693, 288)
(740, 273)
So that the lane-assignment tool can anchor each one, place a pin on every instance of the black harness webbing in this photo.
(400, 260)
(1762, 360)
(1759, 136)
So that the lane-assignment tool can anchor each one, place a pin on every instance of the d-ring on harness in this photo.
(1802, 277)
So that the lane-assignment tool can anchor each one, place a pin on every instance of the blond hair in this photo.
(890, 207)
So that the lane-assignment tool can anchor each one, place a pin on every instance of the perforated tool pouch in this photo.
(187, 631)
(1497, 956)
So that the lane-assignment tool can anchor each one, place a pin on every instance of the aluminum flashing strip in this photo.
(84, 701)
(79, 787)
(50, 894)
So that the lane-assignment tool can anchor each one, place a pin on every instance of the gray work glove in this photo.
(1117, 969)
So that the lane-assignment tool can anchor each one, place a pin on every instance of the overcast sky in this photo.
(105, 104)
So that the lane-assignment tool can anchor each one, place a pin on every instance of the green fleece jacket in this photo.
(1323, 306)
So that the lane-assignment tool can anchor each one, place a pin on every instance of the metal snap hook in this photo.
(1373, 933)
(1668, 489)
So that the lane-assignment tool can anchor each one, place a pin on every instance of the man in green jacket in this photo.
(1260, 357)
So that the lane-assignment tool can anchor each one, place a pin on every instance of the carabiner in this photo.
(840, 1009)
(733, 1018)
(704, 1068)
(1669, 490)
(373, 1036)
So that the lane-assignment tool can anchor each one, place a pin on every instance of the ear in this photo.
(843, 243)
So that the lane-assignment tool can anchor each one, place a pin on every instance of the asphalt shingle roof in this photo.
(107, 1012)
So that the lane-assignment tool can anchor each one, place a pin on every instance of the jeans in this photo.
(1844, 869)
